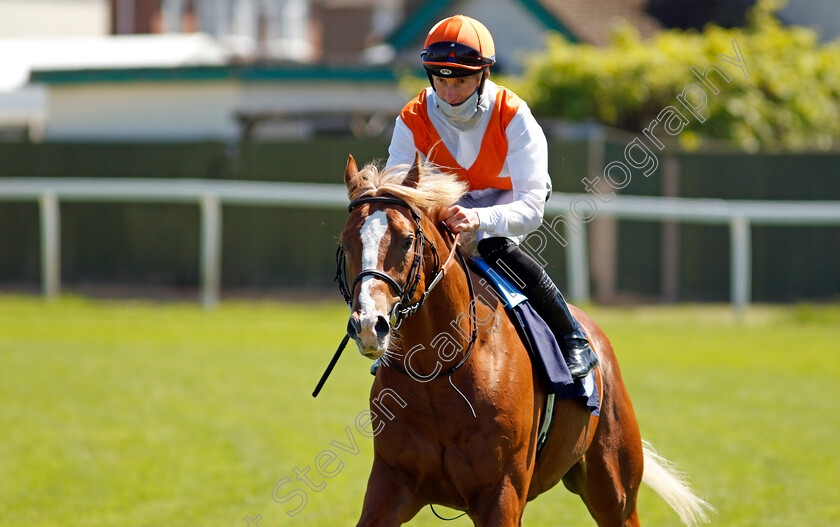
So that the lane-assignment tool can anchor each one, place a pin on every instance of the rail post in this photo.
(741, 263)
(577, 262)
(211, 250)
(50, 245)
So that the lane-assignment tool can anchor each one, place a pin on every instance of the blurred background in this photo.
(284, 90)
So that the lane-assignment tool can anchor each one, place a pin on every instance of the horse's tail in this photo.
(661, 476)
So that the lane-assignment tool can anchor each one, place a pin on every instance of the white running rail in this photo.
(211, 195)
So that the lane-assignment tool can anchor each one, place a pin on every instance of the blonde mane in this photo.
(435, 189)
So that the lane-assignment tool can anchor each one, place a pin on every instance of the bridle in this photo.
(404, 307)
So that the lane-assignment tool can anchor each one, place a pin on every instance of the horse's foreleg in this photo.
(388, 501)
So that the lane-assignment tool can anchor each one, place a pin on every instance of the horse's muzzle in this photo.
(370, 333)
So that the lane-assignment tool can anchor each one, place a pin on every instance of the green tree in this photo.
(790, 100)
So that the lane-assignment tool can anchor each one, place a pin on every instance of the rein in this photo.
(404, 308)
(473, 336)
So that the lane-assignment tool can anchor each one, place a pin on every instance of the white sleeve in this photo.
(401, 150)
(527, 163)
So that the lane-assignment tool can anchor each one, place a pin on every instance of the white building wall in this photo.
(323, 97)
(200, 110)
(54, 18)
(142, 111)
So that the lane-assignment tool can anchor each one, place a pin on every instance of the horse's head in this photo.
(387, 252)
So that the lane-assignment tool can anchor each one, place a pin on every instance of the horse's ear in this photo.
(350, 172)
(413, 176)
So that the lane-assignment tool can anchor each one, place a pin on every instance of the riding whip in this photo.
(329, 369)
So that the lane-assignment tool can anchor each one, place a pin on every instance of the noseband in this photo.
(403, 308)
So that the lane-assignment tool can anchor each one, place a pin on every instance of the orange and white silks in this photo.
(483, 173)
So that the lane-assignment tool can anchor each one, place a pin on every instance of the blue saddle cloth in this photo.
(539, 341)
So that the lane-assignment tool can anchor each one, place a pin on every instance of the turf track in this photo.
(140, 413)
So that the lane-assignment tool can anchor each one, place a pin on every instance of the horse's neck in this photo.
(438, 335)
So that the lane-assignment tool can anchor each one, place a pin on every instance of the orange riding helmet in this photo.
(458, 46)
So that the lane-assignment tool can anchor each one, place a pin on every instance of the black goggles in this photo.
(455, 53)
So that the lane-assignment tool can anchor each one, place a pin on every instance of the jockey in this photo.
(486, 134)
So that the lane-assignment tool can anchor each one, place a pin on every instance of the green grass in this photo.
(145, 414)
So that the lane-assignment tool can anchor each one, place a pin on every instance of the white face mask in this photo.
(461, 116)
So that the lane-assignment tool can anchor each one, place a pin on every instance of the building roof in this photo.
(415, 25)
(579, 20)
(591, 20)
(234, 72)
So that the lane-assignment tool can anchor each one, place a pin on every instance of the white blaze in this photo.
(372, 233)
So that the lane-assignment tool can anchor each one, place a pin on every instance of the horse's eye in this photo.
(408, 243)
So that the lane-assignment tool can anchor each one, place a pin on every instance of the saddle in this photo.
(542, 347)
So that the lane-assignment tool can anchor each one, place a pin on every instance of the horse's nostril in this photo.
(354, 327)
(382, 327)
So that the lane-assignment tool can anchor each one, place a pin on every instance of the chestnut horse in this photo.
(456, 403)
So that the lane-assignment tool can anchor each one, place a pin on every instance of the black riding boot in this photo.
(516, 265)
(549, 303)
